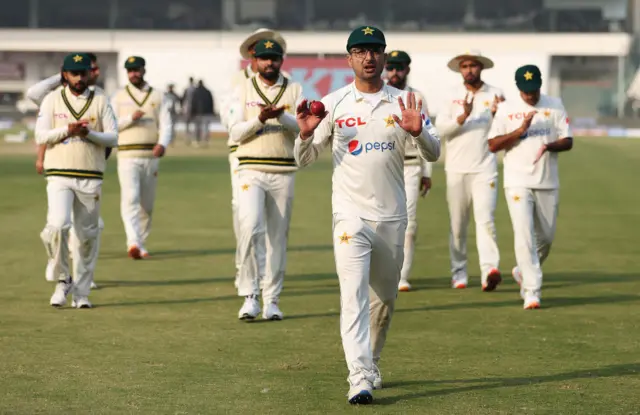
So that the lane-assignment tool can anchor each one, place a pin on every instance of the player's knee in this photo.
(53, 232)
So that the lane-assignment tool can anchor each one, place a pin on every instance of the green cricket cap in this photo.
(398, 57)
(366, 35)
(268, 47)
(528, 78)
(134, 62)
(76, 62)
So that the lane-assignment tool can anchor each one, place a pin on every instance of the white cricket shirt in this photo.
(368, 150)
(467, 150)
(551, 123)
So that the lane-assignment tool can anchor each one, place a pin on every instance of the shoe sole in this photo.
(57, 305)
(362, 398)
(460, 286)
(273, 318)
(247, 317)
(404, 289)
(134, 253)
(533, 306)
(493, 280)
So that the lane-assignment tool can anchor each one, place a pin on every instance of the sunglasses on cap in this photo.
(397, 66)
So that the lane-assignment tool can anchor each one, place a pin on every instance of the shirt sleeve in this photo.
(37, 92)
(307, 151)
(447, 121)
(44, 131)
(108, 137)
(239, 129)
(427, 167)
(562, 123)
(428, 142)
(498, 126)
(165, 124)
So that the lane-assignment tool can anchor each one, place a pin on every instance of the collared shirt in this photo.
(467, 150)
(241, 129)
(368, 150)
(550, 124)
(165, 120)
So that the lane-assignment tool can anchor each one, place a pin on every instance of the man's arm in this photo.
(450, 124)
(108, 137)
(165, 125)
(123, 122)
(37, 92)
(499, 139)
(428, 142)
(44, 131)
(239, 129)
(427, 168)
(42, 149)
(308, 147)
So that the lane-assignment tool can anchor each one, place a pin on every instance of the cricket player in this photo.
(247, 50)
(367, 124)
(36, 94)
(262, 124)
(77, 124)
(532, 130)
(145, 131)
(471, 169)
(417, 171)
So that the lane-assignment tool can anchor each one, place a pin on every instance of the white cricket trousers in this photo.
(368, 258)
(80, 197)
(233, 164)
(462, 190)
(533, 216)
(265, 203)
(412, 180)
(138, 178)
(75, 246)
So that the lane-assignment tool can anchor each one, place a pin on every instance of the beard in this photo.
(396, 82)
(137, 81)
(271, 75)
(79, 87)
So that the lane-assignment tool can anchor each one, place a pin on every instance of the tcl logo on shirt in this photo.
(517, 116)
(349, 122)
(356, 147)
(60, 115)
(254, 103)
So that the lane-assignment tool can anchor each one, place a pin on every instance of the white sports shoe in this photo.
(49, 274)
(403, 286)
(272, 312)
(459, 280)
(59, 297)
(93, 286)
(377, 380)
(531, 302)
(250, 309)
(361, 394)
(80, 301)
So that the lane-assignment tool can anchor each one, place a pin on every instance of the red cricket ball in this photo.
(317, 108)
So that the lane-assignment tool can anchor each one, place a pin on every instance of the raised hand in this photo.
(411, 120)
(468, 105)
(307, 122)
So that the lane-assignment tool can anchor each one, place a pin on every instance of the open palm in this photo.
(411, 120)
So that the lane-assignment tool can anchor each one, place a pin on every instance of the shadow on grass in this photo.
(629, 369)
(190, 253)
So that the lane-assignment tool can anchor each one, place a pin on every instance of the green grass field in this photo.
(164, 337)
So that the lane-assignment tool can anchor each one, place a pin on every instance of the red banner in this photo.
(317, 76)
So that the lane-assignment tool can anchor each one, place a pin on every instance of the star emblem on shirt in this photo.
(516, 198)
(268, 44)
(244, 187)
(368, 31)
(344, 238)
(487, 103)
(389, 121)
(492, 185)
(547, 113)
(528, 76)
(77, 58)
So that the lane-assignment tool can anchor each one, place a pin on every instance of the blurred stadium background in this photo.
(588, 49)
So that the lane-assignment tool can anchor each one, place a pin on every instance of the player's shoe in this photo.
(50, 273)
(377, 380)
(144, 253)
(361, 394)
(81, 301)
(460, 280)
(531, 302)
(272, 312)
(93, 286)
(404, 286)
(59, 297)
(494, 278)
(517, 275)
(134, 252)
(250, 309)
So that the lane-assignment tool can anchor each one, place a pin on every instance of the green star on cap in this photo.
(268, 47)
(134, 62)
(398, 56)
(366, 35)
(528, 78)
(76, 62)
